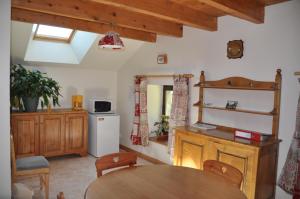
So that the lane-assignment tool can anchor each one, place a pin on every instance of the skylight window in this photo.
(52, 33)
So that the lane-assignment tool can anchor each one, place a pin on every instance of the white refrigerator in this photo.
(104, 130)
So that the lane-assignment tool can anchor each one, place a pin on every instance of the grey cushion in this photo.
(34, 162)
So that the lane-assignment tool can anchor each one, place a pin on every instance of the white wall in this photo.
(5, 179)
(274, 44)
(91, 83)
(154, 105)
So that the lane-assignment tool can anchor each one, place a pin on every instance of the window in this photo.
(167, 99)
(52, 33)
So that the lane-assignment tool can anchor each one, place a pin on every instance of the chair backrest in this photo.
(13, 156)
(115, 160)
(228, 172)
(61, 195)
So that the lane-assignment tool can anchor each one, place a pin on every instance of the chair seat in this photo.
(29, 163)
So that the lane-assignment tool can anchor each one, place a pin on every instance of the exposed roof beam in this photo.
(271, 2)
(251, 10)
(167, 10)
(97, 12)
(48, 19)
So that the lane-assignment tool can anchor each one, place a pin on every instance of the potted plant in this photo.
(27, 87)
(162, 128)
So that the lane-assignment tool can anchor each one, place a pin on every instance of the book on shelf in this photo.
(252, 135)
(204, 126)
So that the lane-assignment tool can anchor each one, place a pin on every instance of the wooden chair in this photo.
(60, 195)
(228, 172)
(30, 166)
(115, 160)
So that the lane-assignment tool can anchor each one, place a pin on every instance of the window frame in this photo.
(165, 89)
(52, 39)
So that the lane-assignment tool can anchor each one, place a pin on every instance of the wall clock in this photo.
(162, 59)
(235, 49)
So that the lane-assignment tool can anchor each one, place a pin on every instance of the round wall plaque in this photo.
(235, 49)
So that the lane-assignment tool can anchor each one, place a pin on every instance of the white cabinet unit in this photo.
(104, 130)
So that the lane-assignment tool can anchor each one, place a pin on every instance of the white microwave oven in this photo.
(100, 106)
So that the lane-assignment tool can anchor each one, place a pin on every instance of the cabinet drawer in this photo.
(25, 132)
(52, 134)
(189, 152)
(242, 157)
(76, 133)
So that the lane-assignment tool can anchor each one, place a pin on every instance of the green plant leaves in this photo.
(162, 126)
(27, 83)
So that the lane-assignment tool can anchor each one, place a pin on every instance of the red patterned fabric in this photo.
(140, 132)
(290, 175)
(179, 109)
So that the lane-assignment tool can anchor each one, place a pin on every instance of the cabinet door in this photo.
(76, 133)
(25, 132)
(242, 157)
(189, 151)
(52, 134)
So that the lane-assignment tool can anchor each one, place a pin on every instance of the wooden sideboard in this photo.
(256, 160)
(55, 133)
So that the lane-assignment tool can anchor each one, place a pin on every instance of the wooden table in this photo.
(161, 182)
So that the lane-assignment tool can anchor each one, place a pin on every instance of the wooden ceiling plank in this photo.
(271, 2)
(201, 7)
(167, 10)
(78, 24)
(97, 12)
(251, 10)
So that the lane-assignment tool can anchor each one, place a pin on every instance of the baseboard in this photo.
(141, 155)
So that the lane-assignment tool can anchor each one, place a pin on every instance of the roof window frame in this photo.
(53, 39)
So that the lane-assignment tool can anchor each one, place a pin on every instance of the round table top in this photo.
(161, 182)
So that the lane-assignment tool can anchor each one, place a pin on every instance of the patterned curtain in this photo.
(179, 109)
(290, 175)
(140, 132)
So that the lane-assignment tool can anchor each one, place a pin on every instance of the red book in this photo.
(251, 135)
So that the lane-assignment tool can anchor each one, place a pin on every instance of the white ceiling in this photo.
(82, 53)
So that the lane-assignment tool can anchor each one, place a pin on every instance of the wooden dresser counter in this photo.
(256, 160)
(54, 133)
(46, 112)
(226, 135)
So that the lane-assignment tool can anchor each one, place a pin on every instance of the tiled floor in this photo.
(70, 174)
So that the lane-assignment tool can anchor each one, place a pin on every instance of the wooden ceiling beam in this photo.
(271, 2)
(77, 24)
(167, 10)
(251, 10)
(97, 12)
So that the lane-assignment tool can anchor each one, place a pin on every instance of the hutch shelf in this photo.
(256, 160)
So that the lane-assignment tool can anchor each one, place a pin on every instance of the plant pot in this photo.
(30, 103)
(162, 137)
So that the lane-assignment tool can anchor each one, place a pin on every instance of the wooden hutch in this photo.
(256, 160)
(54, 133)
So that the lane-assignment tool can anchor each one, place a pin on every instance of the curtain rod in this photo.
(177, 75)
(297, 73)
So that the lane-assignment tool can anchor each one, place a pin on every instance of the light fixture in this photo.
(111, 40)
